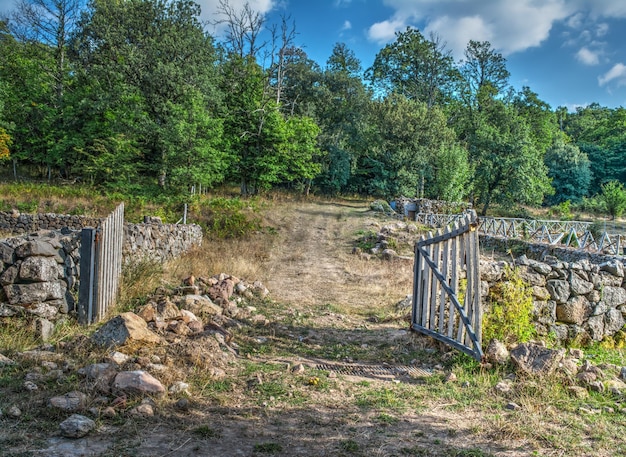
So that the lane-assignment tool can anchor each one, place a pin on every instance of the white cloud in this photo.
(602, 29)
(616, 74)
(587, 56)
(458, 32)
(347, 25)
(575, 21)
(510, 26)
(384, 31)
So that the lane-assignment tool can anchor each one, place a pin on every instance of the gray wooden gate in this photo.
(446, 286)
(100, 267)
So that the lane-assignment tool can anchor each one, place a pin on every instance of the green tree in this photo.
(570, 171)
(341, 111)
(614, 197)
(418, 68)
(143, 62)
(411, 151)
(509, 168)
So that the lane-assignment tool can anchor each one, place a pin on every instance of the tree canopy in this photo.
(136, 95)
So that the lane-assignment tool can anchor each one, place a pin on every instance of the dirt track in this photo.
(328, 304)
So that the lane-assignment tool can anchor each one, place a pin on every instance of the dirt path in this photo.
(314, 265)
(327, 304)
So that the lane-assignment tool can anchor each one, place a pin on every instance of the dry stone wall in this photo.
(159, 241)
(579, 300)
(39, 276)
(15, 222)
(39, 270)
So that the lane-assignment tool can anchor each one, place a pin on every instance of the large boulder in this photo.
(122, 329)
(536, 360)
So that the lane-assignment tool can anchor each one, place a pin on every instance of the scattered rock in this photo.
(76, 426)
(182, 404)
(100, 375)
(143, 410)
(578, 392)
(513, 406)
(122, 329)
(179, 387)
(138, 382)
(119, 357)
(14, 411)
(577, 353)
(497, 352)
(450, 377)
(109, 412)
(504, 387)
(72, 401)
(586, 377)
(536, 360)
(5, 361)
(30, 386)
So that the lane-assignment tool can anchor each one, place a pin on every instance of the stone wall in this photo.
(39, 271)
(425, 205)
(39, 276)
(577, 300)
(15, 222)
(159, 241)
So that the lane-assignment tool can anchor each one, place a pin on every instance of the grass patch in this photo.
(205, 432)
(268, 448)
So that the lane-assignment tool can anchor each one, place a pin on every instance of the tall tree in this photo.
(341, 112)
(570, 171)
(509, 168)
(415, 67)
(141, 63)
(483, 66)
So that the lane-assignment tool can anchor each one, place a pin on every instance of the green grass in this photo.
(268, 448)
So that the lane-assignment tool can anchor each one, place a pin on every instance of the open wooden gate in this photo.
(446, 286)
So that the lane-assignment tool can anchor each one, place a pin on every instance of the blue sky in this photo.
(571, 52)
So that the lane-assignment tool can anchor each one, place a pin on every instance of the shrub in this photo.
(510, 305)
(229, 217)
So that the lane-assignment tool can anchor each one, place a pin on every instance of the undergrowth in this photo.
(509, 315)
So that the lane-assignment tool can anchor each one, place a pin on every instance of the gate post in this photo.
(87, 275)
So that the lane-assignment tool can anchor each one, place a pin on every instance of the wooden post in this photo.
(87, 275)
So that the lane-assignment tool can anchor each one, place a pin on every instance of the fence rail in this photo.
(100, 267)
(575, 234)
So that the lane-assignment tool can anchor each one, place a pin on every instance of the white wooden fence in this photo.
(574, 234)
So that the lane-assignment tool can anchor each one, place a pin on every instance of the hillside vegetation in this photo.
(136, 97)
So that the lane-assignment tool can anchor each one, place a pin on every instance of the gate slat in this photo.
(434, 287)
(443, 295)
(454, 283)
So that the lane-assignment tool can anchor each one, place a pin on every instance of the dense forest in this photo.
(135, 95)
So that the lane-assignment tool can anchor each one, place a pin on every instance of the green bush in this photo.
(229, 217)
(510, 306)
